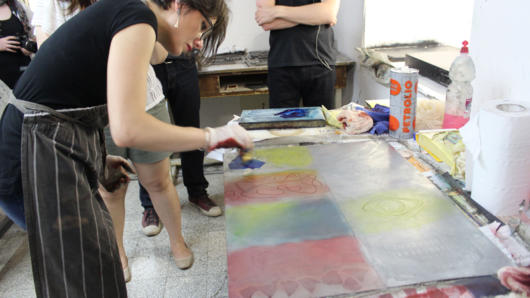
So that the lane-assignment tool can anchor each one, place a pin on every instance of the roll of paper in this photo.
(499, 141)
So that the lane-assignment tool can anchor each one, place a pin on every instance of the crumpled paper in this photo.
(380, 115)
(355, 122)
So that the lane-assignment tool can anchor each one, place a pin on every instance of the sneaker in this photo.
(205, 205)
(151, 224)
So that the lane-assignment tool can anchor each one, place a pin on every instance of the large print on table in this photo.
(282, 222)
(313, 268)
(352, 217)
(267, 187)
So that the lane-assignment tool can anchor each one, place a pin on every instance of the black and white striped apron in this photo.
(72, 241)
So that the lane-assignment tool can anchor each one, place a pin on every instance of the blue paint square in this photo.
(284, 221)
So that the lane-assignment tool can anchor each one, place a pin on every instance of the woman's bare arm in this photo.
(130, 125)
(320, 13)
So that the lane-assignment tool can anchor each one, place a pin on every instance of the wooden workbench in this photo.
(242, 80)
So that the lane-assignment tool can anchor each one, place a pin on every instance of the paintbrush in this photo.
(246, 156)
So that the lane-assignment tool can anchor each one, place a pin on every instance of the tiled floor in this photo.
(154, 273)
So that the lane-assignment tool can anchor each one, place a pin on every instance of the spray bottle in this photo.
(460, 92)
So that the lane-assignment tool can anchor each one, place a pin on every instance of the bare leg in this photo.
(156, 180)
(115, 202)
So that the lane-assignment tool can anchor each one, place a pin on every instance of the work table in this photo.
(409, 150)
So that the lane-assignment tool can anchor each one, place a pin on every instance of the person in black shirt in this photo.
(302, 51)
(15, 34)
(90, 72)
(180, 81)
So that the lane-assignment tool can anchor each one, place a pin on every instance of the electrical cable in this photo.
(324, 63)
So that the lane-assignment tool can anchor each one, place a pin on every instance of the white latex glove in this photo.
(229, 136)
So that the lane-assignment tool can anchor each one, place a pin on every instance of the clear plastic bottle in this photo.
(460, 92)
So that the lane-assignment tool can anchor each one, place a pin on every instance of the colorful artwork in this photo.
(343, 218)
(302, 269)
(292, 113)
(238, 164)
(292, 156)
(270, 115)
(400, 209)
(484, 286)
(285, 221)
(260, 188)
(282, 118)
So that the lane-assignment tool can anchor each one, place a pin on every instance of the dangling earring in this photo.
(176, 25)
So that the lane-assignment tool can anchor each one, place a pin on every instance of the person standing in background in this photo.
(16, 41)
(50, 14)
(180, 80)
(302, 51)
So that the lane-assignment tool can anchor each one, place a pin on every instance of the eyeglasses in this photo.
(206, 28)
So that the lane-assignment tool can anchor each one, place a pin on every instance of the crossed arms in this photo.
(274, 17)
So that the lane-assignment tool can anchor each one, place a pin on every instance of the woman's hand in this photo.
(265, 14)
(228, 136)
(264, 3)
(25, 52)
(9, 44)
(116, 173)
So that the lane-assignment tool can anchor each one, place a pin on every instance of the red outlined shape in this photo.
(271, 187)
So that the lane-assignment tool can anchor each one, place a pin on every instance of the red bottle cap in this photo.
(464, 48)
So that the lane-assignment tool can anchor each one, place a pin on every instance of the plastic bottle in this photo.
(460, 92)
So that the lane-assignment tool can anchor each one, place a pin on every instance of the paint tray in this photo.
(282, 118)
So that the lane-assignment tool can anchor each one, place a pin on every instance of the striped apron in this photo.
(72, 241)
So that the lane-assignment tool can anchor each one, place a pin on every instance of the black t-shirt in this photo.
(297, 46)
(70, 68)
(11, 64)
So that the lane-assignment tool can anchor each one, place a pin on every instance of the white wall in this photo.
(243, 32)
(349, 35)
(447, 21)
(349, 28)
(500, 48)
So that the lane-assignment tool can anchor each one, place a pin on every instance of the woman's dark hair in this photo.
(20, 12)
(216, 9)
(77, 4)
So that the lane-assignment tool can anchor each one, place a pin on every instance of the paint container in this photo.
(403, 94)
